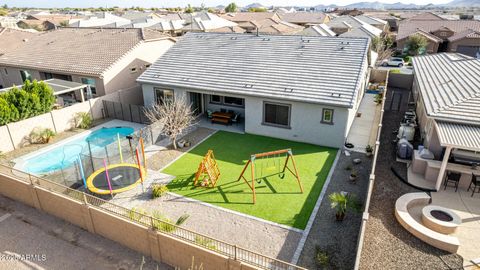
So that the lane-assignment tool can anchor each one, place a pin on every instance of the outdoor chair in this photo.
(452, 177)
(232, 112)
(475, 182)
(209, 114)
(235, 119)
(223, 110)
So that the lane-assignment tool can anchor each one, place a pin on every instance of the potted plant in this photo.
(369, 150)
(353, 176)
(340, 201)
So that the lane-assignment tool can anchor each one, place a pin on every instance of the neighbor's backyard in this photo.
(278, 200)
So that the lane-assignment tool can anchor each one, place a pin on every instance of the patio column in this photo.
(443, 167)
(81, 94)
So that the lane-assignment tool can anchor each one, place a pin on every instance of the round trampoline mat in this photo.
(122, 177)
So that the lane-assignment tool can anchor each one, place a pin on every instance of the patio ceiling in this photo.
(457, 135)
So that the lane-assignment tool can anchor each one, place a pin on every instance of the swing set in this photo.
(208, 173)
(269, 165)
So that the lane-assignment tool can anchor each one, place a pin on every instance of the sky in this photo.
(182, 3)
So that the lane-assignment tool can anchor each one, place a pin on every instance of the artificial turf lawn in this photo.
(278, 200)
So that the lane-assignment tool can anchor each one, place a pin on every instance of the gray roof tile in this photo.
(325, 70)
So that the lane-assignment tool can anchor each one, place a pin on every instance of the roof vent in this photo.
(185, 79)
(288, 89)
(266, 39)
(248, 85)
(336, 95)
(233, 38)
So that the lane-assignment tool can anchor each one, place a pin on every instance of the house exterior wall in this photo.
(121, 77)
(452, 46)
(118, 77)
(305, 119)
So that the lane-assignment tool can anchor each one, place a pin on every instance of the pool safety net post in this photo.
(89, 158)
(269, 163)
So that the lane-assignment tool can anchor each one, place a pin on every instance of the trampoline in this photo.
(122, 177)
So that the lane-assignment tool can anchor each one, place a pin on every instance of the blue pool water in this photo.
(64, 155)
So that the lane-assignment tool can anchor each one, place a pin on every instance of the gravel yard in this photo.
(338, 239)
(387, 244)
(262, 237)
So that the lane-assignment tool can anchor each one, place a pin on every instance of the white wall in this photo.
(305, 119)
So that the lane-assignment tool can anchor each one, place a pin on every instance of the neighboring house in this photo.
(392, 21)
(305, 18)
(44, 22)
(448, 103)
(423, 16)
(442, 35)
(246, 19)
(101, 19)
(298, 88)
(208, 24)
(11, 39)
(318, 30)
(275, 27)
(359, 26)
(228, 29)
(8, 22)
(106, 59)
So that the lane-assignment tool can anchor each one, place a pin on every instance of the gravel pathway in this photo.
(338, 239)
(387, 244)
(262, 237)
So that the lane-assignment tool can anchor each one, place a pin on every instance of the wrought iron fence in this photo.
(165, 227)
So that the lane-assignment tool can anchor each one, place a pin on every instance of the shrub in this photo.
(84, 120)
(321, 257)
(41, 135)
(205, 242)
(395, 70)
(158, 190)
(379, 98)
(165, 224)
(136, 214)
(34, 98)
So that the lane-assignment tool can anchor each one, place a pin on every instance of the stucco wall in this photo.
(452, 46)
(159, 246)
(120, 76)
(305, 119)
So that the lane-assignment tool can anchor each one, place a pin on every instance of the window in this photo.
(443, 34)
(276, 114)
(233, 101)
(327, 116)
(215, 99)
(163, 95)
(47, 75)
(91, 83)
(25, 75)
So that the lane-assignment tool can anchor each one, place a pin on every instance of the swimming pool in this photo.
(65, 154)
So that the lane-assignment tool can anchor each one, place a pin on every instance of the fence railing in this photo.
(371, 182)
(126, 112)
(162, 226)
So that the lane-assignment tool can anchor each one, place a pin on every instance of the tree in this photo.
(172, 117)
(189, 9)
(416, 44)
(3, 12)
(382, 46)
(232, 7)
(257, 9)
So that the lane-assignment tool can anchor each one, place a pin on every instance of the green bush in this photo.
(158, 190)
(321, 257)
(84, 120)
(164, 224)
(205, 242)
(34, 98)
(136, 214)
(395, 70)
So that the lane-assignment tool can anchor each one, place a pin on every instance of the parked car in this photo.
(394, 61)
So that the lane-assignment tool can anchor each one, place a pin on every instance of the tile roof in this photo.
(426, 16)
(469, 33)
(250, 16)
(13, 38)
(318, 30)
(77, 50)
(407, 28)
(449, 85)
(304, 17)
(274, 27)
(366, 30)
(324, 70)
(228, 29)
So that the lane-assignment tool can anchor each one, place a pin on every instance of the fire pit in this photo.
(440, 219)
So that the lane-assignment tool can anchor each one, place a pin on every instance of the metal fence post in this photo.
(151, 223)
(235, 252)
(84, 198)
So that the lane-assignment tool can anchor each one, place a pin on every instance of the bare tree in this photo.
(172, 117)
(382, 46)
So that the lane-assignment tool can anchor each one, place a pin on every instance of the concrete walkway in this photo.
(365, 125)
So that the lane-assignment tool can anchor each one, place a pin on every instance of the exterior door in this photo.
(196, 101)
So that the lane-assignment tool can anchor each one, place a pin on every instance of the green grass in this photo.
(278, 200)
